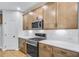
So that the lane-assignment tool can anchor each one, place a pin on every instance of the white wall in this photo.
(68, 35)
(11, 27)
(0, 35)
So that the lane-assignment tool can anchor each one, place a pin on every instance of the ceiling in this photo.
(14, 5)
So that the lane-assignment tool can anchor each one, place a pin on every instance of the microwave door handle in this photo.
(40, 24)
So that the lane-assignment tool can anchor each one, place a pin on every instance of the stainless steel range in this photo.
(32, 47)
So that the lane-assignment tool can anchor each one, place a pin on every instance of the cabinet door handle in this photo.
(55, 24)
(23, 43)
(44, 46)
(63, 52)
(52, 55)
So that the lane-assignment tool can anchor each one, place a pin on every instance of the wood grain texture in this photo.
(45, 50)
(12, 54)
(52, 51)
(58, 52)
(22, 45)
(67, 15)
(50, 16)
(0, 19)
(61, 15)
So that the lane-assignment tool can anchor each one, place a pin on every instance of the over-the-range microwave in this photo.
(38, 24)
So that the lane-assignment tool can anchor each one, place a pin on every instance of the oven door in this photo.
(32, 50)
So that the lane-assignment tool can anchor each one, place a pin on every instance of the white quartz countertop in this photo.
(62, 44)
(26, 37)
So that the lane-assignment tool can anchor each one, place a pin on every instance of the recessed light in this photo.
(31, 13)
(30, 31)
(18, 8)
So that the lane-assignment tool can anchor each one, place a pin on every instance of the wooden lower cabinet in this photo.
(58, 52)
(45, 50)
(0, 19)
(22, 45)
(49, 51)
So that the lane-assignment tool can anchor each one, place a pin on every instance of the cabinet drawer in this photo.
(45, 50)
(65, 53)
(44, 47)
(43, 53)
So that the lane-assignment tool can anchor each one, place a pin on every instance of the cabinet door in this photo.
(25, 25)
(1, 53)
(67, 15)
(39, 12)
(45, 50)
(23, 45)
(58, 52)
(50, 16)
(30, 19)
(0, 19)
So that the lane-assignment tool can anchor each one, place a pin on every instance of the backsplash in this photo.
(63, 35)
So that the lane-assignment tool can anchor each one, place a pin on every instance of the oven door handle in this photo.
(31, 44)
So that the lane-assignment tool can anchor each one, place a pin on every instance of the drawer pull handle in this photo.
(63, 52)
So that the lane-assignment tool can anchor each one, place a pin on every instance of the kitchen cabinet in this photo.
(0, 19)
(67, 15)
(56, 15)
(30, 17)
(45, 50)
(58, 52)
(27, 21)
(50, 17)
(0, 52)
(38, 12)
(61, 15)
(22, 45)
(52, 51)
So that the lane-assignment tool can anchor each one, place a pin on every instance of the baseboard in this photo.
(10, 49)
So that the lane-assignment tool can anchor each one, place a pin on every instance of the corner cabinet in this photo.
(52, 51)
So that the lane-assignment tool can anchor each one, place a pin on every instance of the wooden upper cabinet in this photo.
(29, 21)
(67, 15)
(25, 22)
(61, 15)
(50, 13)
(38, 12)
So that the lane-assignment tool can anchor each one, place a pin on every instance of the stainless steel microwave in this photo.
(38, 24)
